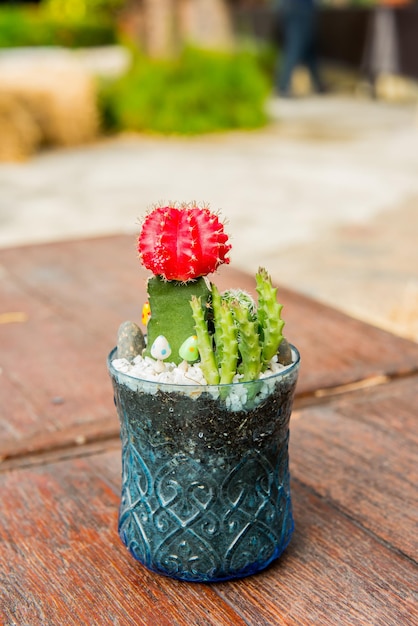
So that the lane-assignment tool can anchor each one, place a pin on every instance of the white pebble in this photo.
(148, 369)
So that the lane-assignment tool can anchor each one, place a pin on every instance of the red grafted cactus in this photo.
(182, 243)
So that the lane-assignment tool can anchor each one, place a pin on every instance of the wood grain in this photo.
(333, 574)
(360, 451)
(100, 282)
(53, 379)
(62, 562)
(353, 461)
(54, 388)
(339, 350)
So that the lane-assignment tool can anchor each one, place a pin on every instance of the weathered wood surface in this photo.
(351, 560)
(62, 562)
(361, 452)
(53, 378)
(333, 574)
(72, 296)
(353, 557)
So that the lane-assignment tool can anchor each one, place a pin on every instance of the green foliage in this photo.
(81, 9)
(33, 26)
(198, 92)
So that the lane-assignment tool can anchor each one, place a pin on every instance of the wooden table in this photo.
(352, 559)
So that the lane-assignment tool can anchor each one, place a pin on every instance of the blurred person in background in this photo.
(298, 19)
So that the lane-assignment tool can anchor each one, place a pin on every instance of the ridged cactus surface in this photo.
(182, 243)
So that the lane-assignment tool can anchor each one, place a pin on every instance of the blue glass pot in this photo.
(205, 478)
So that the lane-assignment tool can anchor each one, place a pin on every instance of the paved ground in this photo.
(326, 198)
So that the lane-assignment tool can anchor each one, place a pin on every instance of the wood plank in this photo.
(360, 451)
(62, 562)
(339, 350)
(333, 574)
(54, 388)
(97, 283)
(100, 283)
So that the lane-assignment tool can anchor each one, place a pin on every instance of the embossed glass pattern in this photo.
(205, 483)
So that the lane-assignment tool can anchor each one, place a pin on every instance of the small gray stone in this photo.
(57, 400)
(131, 341)
(284, 353)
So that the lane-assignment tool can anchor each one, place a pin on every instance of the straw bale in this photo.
(58, 97)
(20, 134)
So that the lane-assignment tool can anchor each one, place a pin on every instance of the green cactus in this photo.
(229, 332)
(170, 312)
(180, 245)
(229, 336)
(248, 343)
(204, 342)
(244, 337)
(244, 298)
(269, 310)
(217, 331)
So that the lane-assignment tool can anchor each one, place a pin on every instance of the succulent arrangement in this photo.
(188, 320)
(204, 405)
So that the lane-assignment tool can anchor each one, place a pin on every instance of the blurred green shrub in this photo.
(199, 92)
(33, 26)
(81, 9)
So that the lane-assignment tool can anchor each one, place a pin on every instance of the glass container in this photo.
(205, 474)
